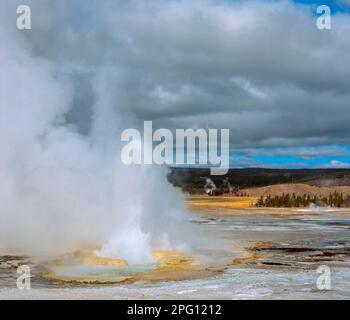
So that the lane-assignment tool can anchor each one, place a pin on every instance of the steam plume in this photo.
(209, 186)
(62, 186)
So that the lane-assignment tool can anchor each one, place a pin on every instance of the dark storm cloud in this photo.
(262, 69)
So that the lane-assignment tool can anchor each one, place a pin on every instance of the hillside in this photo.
(299, 189)
(193, 180)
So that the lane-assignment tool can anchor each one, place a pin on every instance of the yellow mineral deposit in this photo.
(93, 259)
(173, 259)
(226, 204)
(86, 267)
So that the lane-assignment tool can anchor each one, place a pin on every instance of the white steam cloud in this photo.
(61, 189)
(209, 186)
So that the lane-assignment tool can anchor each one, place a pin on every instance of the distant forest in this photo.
(193, 180)
(334, 200)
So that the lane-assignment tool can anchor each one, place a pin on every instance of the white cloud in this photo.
(249, 88)
(339, 164)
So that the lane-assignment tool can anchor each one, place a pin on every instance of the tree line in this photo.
(334, 200)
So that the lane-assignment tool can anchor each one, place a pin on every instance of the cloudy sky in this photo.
(260, 68)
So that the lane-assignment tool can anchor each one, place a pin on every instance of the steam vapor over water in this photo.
(209, 186)
(62, 185)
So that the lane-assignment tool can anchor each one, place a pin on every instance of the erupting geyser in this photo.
(63, 188)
